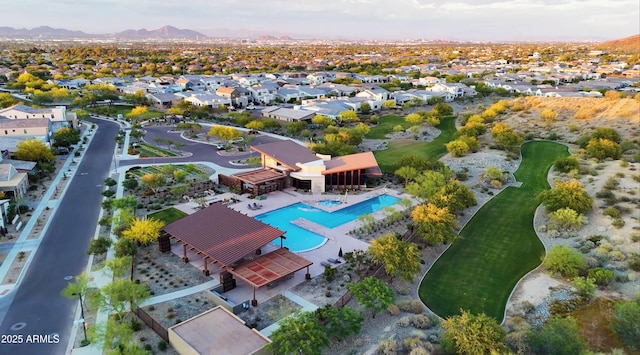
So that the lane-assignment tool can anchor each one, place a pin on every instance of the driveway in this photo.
(36, 307)
(199, 151)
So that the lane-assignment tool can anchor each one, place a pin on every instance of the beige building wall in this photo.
(27, 131)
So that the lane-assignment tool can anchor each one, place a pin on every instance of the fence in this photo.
(155, 326)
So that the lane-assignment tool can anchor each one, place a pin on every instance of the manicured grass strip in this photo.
(154, 151)
(385, 126)
(387, 159)
(168, 215)
(496, 248)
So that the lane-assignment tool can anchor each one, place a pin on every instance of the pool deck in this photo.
(337, 238)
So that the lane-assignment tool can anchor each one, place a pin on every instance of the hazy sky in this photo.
(374, 19)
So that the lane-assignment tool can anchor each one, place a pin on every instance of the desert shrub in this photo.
(634, 262)
(585, 286)
(635, 237)
(404, 322)
(421, 321)
(566, 164)
(565, 261)
(612, 212)
(393, 310)
(387, 347)
(612, 183)
(413, 306)
(412, 343)
(329, 273)
(162, 345)
(602, 277)
(618, 223)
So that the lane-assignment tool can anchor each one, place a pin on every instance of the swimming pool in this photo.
(300, 239)
(329, 203)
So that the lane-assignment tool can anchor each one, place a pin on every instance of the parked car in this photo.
(237, 140)
(219, 146)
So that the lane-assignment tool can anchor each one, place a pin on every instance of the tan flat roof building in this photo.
(217, 331)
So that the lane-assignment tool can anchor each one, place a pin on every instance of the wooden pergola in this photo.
(262, 181)
(269, 268)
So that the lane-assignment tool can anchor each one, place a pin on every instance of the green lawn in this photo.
(433, 150)
(385, 126)
(496, 248)
(168, 215)
(154, 151)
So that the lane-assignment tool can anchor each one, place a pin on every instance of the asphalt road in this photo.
(199, 151)
(37, 305)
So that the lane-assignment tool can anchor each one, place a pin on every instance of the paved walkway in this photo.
(306, 307)
(181, 293)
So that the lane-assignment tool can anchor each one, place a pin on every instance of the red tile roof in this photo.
(222, 234)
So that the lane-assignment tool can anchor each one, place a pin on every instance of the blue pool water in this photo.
(329, 203)
(300, 239)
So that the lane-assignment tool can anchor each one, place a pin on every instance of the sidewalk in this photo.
(46, 201)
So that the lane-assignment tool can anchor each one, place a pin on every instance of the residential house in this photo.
(34, 127)
(233, 95)
(13, 183)
(287, 114)
(378, 94)
(339, 89)
(200, 99)
(57, 115)
(263, 94)
(164, 100)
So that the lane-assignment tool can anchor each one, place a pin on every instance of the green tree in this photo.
(65, 137)
(399, 257)
(407, 173)
(322, 120)
(601, 148)
(558, 336)
(454, 195)
(566, 164)
(130, 183)
(225, 133)
(78, 287)
(442, 110)
(566, 194)
(299, 334)
(473, 335)
(436, 225)
(348, 116)
(565, 261)
(373, 294)
(125, 247)
(120, 296)
(365, 108)
(34, 150)
(340, 323)
(153, 181)
(99, 245)
(457, 148)
(426, 184)
(606, 133)
(413, 118)
(625, 322)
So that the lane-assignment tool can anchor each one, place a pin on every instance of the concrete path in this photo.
(181, 293)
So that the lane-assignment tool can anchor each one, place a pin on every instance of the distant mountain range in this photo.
(167, 32)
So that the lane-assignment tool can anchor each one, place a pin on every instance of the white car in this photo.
(237, 140)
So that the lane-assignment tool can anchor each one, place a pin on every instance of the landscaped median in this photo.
(496, 248)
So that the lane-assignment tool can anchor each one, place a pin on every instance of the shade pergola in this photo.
(221, 234)
(261, 180)
(269, 268)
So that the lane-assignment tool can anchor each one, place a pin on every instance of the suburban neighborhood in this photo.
(280, 196)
